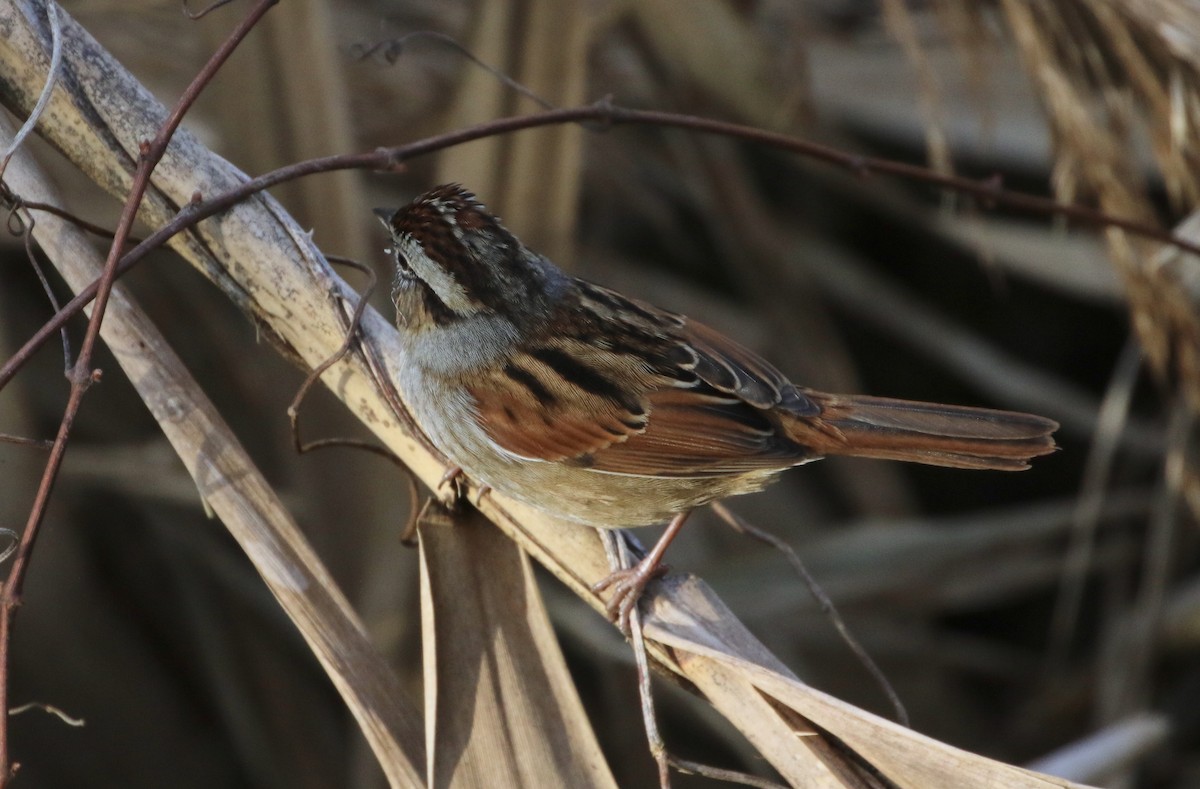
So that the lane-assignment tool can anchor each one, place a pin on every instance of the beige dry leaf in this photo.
(500, 707)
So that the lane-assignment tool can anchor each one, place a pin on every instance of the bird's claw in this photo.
(454, 482)
(627, 587)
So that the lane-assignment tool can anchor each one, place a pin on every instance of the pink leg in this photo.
(628, 585)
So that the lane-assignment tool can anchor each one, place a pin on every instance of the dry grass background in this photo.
(144, 617)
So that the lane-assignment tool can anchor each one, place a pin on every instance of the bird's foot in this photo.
(454, 483)
(627, 587)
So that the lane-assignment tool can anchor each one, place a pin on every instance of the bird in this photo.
(610, 412)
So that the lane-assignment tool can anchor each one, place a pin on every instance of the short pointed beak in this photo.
(385, 215)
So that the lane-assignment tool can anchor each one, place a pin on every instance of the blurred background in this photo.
(1013, 613)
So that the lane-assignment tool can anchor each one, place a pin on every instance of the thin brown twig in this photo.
(86, 295)
(37, 443)
(293, 409)
(23, 227)
(719, 774)
(62, 213)
(618, 550)
(81, 375)
(826, 604)
(390, 49)
(203, 12)
(987, 190)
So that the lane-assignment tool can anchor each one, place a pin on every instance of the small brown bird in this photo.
(613, 413)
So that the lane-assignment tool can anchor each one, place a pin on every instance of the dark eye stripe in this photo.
(439, 313)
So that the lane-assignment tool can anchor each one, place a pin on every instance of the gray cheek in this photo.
(466, 345)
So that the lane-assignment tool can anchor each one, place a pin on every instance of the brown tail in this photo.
(930, 433)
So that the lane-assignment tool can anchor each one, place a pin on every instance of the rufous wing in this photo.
(700, 433)
(530, 411)
(684, 401)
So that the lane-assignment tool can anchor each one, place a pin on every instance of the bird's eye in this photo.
(403, 270)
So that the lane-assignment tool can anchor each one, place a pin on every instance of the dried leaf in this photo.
(501, 708)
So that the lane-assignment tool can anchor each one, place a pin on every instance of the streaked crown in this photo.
(461, 258)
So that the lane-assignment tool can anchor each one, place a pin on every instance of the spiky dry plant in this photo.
(1112, 76)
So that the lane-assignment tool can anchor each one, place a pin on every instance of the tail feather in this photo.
(929, 433)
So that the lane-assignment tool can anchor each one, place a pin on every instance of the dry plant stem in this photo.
(1110, 423)
(49, 709)
(44, 99)
(717, 774)
(14, 540)
(391, 49)
(1102, 754)
(96, 230)
(27, 233)
(602, 114)
(293, 409)
(827, 606)
(658, 748)
(617, 549)
(234, 490)
(1126, 682)
(203, 12)
(36, 443)
(22, 226)
(81, 375)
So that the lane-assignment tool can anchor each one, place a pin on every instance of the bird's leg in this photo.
(627, 585)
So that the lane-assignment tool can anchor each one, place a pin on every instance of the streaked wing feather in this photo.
(565, 422)
(733, 368)
(692, 402)
(698, 434)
